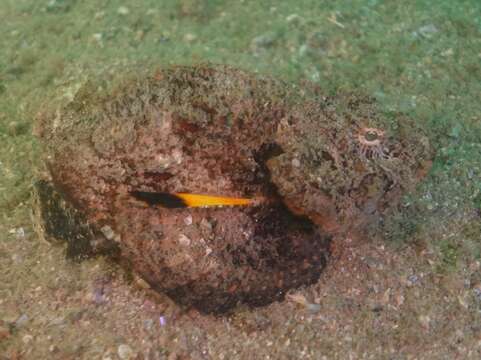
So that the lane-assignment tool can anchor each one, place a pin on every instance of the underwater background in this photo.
(411, 290)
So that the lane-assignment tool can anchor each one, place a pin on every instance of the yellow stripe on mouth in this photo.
(194, 200)
(183, 200)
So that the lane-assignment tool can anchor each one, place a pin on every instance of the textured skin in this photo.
(222, 131)
(343, 164)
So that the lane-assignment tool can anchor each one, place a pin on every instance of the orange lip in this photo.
(182, 200)
(194, 200)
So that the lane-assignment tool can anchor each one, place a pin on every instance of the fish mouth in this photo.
(187, 200)
(179, 200)
(268, 248)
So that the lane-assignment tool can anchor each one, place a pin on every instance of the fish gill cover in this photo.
(321, 166)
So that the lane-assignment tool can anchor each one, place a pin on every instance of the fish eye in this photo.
(371, 136)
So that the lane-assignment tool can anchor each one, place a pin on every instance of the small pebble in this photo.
(108, 232)
(97, 296)
(477, 293)
(184, 240)
(125, 352)
(189, 37)
(413, 279)
(142, 283)
(263, 41)
(293, 18)
(428, 30)
(148, 324)
(98, 37)
(188, 220)
(123, 10)
(313, 308)
(447, 52)
(206, 224)
(58, 321)
(297, 298)
(17, 259)
(21, 321)
(425, 321)
(20, 233)
(27, 338)
(399, 299)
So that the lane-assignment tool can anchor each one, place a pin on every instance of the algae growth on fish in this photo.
(323, 165)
